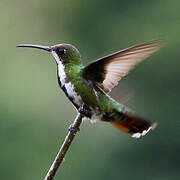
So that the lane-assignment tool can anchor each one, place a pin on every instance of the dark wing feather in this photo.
(108, 70)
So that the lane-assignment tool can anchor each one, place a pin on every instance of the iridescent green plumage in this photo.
(74, 73)
(87, 87)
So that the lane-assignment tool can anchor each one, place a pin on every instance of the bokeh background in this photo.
(35, 114)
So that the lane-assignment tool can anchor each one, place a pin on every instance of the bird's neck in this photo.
(68, 73)
(69, 78)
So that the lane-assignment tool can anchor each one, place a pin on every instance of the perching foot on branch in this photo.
(71, 129)
(84, 110)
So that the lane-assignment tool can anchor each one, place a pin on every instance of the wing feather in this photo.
(108, 70)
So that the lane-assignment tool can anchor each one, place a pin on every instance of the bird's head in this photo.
(64, 53)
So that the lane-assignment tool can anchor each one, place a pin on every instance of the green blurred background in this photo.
(35, 114)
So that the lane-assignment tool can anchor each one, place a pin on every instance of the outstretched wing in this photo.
(108, 70)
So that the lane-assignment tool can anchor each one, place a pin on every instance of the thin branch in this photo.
(64, 148)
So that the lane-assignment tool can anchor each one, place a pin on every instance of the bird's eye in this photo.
(62, 51)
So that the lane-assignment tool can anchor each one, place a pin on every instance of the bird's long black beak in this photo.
(46, 48)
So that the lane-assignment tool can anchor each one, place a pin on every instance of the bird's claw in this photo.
(84, 110)
(72, 129)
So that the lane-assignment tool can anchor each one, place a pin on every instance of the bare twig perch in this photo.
(65, 146)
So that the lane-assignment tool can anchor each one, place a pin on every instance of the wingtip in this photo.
(158, 42)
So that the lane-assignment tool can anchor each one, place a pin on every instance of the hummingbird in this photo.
(88, 87)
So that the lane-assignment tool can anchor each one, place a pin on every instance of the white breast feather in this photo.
(68, 85)
(72, 93)
(61, 73)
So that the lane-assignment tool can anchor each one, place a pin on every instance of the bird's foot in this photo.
(85, 111)
(72, 129)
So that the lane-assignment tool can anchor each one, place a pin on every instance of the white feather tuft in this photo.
(138, 135)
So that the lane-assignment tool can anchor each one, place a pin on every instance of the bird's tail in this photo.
(131, 124)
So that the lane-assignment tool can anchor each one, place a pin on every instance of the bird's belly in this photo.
(74, 97)
(78, 102)
(68, 87)
(95, 116)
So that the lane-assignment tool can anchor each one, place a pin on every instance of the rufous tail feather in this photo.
(132, 124)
